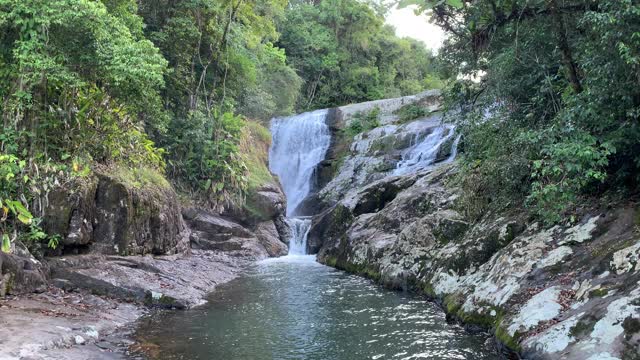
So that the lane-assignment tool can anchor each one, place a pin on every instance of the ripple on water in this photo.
(295, 308)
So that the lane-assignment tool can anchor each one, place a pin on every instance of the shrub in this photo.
(410, 112)
(362, 122)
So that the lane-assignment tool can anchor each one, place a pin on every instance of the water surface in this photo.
(295, 308)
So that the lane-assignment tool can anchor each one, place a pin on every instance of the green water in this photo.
(295, 308)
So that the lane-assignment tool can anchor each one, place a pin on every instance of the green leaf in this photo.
(24, 219)
(455, 3)
(6, 243)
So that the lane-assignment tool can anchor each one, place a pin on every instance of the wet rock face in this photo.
(375, 155)
(570, 291)
(105, 215)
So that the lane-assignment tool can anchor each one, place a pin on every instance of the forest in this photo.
(545, 92)
(159, 88)
(272, 168)
(558, 80)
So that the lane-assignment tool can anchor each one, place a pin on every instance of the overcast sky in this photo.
(408, 24)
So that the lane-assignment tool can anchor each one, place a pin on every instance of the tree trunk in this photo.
(561, 34)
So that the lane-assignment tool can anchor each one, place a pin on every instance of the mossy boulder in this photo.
(117, 210)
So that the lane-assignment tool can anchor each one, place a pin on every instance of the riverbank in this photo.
(89, 317)
(569, 291)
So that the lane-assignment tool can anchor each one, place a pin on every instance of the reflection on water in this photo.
(295, 308)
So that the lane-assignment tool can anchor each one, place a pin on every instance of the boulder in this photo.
(137, 221)
(214, 226)
(21, 274)
(70, 212)
(267, 202)
(111, 214)
(268, 235)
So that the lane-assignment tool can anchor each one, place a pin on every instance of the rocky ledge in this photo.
(570, 291)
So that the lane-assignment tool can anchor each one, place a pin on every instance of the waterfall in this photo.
(299, 144)
(454, 149)
(424, 153)
(299, 230)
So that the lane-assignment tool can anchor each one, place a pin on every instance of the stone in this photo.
(70, 212)
(214, 226)
(268, 236)
(21, 274)
(79, 340)
(268, 201)
(284, 230)
(63, 284)
(106, 214)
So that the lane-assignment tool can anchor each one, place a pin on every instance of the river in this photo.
(296, 308)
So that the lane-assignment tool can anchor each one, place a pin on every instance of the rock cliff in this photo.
(571, 291)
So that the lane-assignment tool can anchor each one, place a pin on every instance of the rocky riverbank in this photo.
(571, 291)
(92, 301)
(127, 246)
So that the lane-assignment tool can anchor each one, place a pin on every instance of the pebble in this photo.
(79, 340)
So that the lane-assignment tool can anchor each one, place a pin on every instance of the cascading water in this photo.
(423, 153)
(299, 230)
(299, 144)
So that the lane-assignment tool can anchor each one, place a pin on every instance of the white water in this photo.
(299, 144)
(300, 229)
(422, 153)
(454, 149)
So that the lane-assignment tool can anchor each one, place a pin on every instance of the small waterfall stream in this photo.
(423, 153)
(299, 144)
(300, 229)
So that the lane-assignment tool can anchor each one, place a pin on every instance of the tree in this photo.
(557, 107)
(345, 53)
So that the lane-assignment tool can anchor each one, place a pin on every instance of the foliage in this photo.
(362, 122)
(13, 212)
(148, 88)
(549, 97)
(410, 112)
(345, 54)
(205, 158)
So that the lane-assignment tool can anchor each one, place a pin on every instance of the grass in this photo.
(254, 148)
(410, 112)
(138, 178)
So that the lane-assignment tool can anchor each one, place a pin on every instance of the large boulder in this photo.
(266, 202)
(214, 232)
(70, 212)
(268, 235)
(122, 211)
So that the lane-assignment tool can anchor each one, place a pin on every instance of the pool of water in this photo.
(295, 308)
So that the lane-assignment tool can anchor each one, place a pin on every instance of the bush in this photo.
(363, 122)
(410, 112)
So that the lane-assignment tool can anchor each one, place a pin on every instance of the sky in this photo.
(408, 24)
